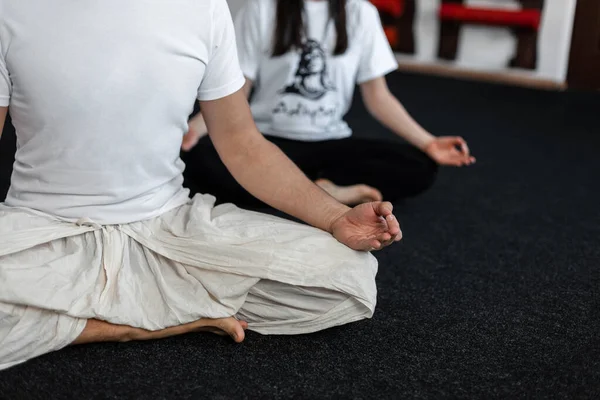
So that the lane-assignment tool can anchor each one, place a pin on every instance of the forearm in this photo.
(268, 174)
(392, 114)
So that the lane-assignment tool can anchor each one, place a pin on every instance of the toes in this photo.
(233, 328)
(370, 193)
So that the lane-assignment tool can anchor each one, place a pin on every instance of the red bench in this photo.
(526, 18)
(525, 23)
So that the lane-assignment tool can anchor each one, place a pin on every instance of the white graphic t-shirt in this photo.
(304, 94)
(100, 93)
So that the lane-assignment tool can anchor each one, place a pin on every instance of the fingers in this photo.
(384, 237)
(387, 238)
(459, 158)
(393, 225)
(463, 154)
(382, 241)
(452, 151)
(458, 142)
(462, 144)
(383, 209)
(375, 245)
(391, 239)
(459, 161)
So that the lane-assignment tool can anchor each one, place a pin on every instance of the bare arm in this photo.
(262, 168)
(384, 106)
(197, 125)
(3, 112)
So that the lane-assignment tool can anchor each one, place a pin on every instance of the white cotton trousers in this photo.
(196, 261)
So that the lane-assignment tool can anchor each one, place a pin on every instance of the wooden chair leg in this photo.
(526, 54)
(449, 34)
(406, 33)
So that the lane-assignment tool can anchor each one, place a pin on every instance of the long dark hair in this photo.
(290, 26)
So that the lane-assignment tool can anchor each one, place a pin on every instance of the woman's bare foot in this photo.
(350, 195)
(101, 331)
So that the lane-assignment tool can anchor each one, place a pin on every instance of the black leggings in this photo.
(397, 170)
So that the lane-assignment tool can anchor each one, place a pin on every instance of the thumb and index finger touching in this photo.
(385, 210)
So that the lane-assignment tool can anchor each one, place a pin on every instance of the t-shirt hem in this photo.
(4, 101)
(223, 91)
(249, 73)
(377, 74)
(308, 137)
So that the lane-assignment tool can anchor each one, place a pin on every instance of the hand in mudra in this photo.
(450, 150)
(367, 227)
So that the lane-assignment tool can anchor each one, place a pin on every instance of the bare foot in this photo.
(350, 195)
(101, 331)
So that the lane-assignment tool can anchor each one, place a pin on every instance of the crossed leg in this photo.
(100, 331)
(28, 332)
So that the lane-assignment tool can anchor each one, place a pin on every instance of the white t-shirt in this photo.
(304, 94)
(100, 93)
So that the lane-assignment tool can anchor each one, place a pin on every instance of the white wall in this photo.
(490, 48)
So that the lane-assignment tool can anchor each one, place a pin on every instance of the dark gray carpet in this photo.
(493, 293)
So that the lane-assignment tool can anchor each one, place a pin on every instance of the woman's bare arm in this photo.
(384, 106)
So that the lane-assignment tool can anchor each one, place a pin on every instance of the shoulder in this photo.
(361, 14)
(362, 11)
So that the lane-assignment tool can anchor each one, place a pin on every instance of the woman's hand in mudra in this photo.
(449, 150)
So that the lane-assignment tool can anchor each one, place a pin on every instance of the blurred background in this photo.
(546, 43)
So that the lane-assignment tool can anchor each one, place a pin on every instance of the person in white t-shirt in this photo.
(303, 60)
(99, 241)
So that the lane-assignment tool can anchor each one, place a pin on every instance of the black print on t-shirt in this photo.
(301, 110)
(311, 80)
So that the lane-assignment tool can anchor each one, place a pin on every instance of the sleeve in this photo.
(222, 75)
(377, 58)
(5, 85)
(248, 31)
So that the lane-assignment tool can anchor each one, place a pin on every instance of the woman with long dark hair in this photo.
(303, 59)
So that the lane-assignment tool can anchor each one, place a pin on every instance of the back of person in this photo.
(303, 95)
(100, 99)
